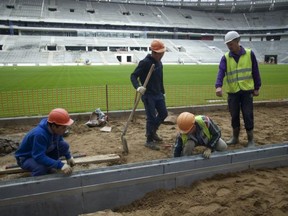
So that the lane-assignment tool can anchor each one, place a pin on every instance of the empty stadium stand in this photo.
(77, 32)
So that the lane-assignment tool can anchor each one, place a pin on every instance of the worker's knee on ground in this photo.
(221, 145)
(39, 170)
(188, 148)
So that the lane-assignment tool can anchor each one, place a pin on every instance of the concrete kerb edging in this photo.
(199, 109)
(112, 187)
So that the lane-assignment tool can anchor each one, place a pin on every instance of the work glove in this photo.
(141, 90)
(207, 153)
(71, 162)
(66, 169)
(219, 92)
(256, 93)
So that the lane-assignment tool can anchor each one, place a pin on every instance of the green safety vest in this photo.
(239, 75)
(202, 125)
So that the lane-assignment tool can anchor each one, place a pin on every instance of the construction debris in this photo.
(7, 146)
(106, 129)
(170, 120)
(97, 119)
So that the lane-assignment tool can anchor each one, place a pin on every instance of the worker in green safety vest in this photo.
(195, 131)
(239, 73)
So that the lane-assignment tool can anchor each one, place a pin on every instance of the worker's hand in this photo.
(219, 92)
(71, 162)
(66, 169)
(141, 90)
(207, 153)
(256, 93)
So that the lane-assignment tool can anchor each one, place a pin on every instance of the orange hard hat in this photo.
(158, 46)
(60, 116)
(185, 122)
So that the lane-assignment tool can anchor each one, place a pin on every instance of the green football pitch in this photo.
(35, 90)
(25, 78)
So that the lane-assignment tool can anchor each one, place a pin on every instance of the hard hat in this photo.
(231, 35)
(185, 122)
(60, 116)
(157, 46)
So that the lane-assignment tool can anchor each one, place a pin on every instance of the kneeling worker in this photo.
(197, 130)
(42, 147)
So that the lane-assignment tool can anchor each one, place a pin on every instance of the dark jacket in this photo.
(155, 85)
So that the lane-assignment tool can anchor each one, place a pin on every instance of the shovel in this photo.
(123, 139)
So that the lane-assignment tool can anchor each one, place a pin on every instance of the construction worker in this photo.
(239, 69)
(195, 131)
(42, 147)
(153, 96)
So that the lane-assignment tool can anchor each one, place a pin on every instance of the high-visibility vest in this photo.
(203, 126)
(239, 75)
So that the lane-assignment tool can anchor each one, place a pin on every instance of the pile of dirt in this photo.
(7, 145)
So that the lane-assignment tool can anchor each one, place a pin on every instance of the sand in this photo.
(254, 192)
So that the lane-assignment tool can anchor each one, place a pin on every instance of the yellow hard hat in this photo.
(185, 122)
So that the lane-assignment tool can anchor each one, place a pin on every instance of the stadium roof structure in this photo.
(228, 6)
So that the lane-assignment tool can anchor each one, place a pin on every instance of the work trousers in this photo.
(37, 169)
(156, 112)
(190, 145)
(242, 100)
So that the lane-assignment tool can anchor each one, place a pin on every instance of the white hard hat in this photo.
(231, 35)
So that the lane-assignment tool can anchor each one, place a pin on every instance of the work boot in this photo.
(250, 139)
(152, 145)
(156, 138)
(235, 137)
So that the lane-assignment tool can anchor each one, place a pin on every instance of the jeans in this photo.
(156, 112)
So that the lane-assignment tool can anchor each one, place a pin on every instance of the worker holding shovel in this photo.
(42, 147)
(195, 131)
(153, 95)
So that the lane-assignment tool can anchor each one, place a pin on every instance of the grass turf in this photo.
(36, 90)
(24, 78)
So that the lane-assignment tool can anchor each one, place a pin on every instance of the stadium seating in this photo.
(21, 49)
(33, 49)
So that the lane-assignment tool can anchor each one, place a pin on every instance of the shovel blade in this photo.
(124, 145)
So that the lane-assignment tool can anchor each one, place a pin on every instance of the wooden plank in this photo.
(79, 161)
(9, 166)
(11, 171)
(97, 159)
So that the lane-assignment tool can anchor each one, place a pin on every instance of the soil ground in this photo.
(255, 192)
